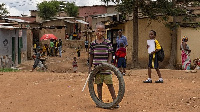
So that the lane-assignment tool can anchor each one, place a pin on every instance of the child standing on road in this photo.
(44, 49)
(86, 45)
(153, 60)
(52, 47)
(75, 65)
(60, 47)
(121, 61)
(101, 51)
(78, 52)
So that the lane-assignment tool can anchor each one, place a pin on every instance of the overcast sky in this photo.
(18, 7)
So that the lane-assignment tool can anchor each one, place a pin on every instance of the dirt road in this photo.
(26, 91)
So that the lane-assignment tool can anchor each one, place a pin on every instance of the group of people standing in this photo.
(101, 50)
(120, 54)
(53, 49)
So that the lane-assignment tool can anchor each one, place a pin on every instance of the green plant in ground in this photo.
(8, 70)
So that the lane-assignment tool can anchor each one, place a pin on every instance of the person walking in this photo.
(186, 61)
(37, 59)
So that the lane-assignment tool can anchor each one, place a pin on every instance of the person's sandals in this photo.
(159, 81)
(147, 81)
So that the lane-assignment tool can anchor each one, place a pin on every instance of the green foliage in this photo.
(71, 9)
(187, 1)
(154, 8)
(115, 1)
(8, 70)
(171, 25)
(3, 10)
(125, 7)
(161, 7)
(48, 9)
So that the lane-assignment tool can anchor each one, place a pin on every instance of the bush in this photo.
(8, 70)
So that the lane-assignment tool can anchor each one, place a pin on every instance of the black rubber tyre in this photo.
(121, 86)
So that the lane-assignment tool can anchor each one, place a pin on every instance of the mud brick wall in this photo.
(6, 61)
(74, 43)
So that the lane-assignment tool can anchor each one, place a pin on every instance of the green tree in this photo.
(172, 8)
(3, 10)
(71, 9)
(130, 7)
(151, 9)
(48, 9)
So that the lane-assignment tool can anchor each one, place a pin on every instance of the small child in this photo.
(101, 51)
(153, 60)
(121, 61)
(86, 45)
(78, 52)
(196, 63)
(74, 64)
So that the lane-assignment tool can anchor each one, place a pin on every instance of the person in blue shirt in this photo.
(121, 39)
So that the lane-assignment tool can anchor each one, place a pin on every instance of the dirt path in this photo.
(61, 92)
(62, 64)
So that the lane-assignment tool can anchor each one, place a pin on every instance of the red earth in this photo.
(60, 90)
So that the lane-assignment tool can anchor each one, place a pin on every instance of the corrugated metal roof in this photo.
(65, 17)
(17, 20)
(81, 21)
(69, 21)
(107, 15)
(7, 27)
(7, 23)
(26, 19)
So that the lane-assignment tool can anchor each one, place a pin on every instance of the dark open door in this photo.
(19, 49)
(13, 49)
(112, 34)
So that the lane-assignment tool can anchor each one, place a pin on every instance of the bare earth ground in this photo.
(59, 90)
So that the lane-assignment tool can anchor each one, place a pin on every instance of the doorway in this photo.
(112, 35)
(13, 50)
